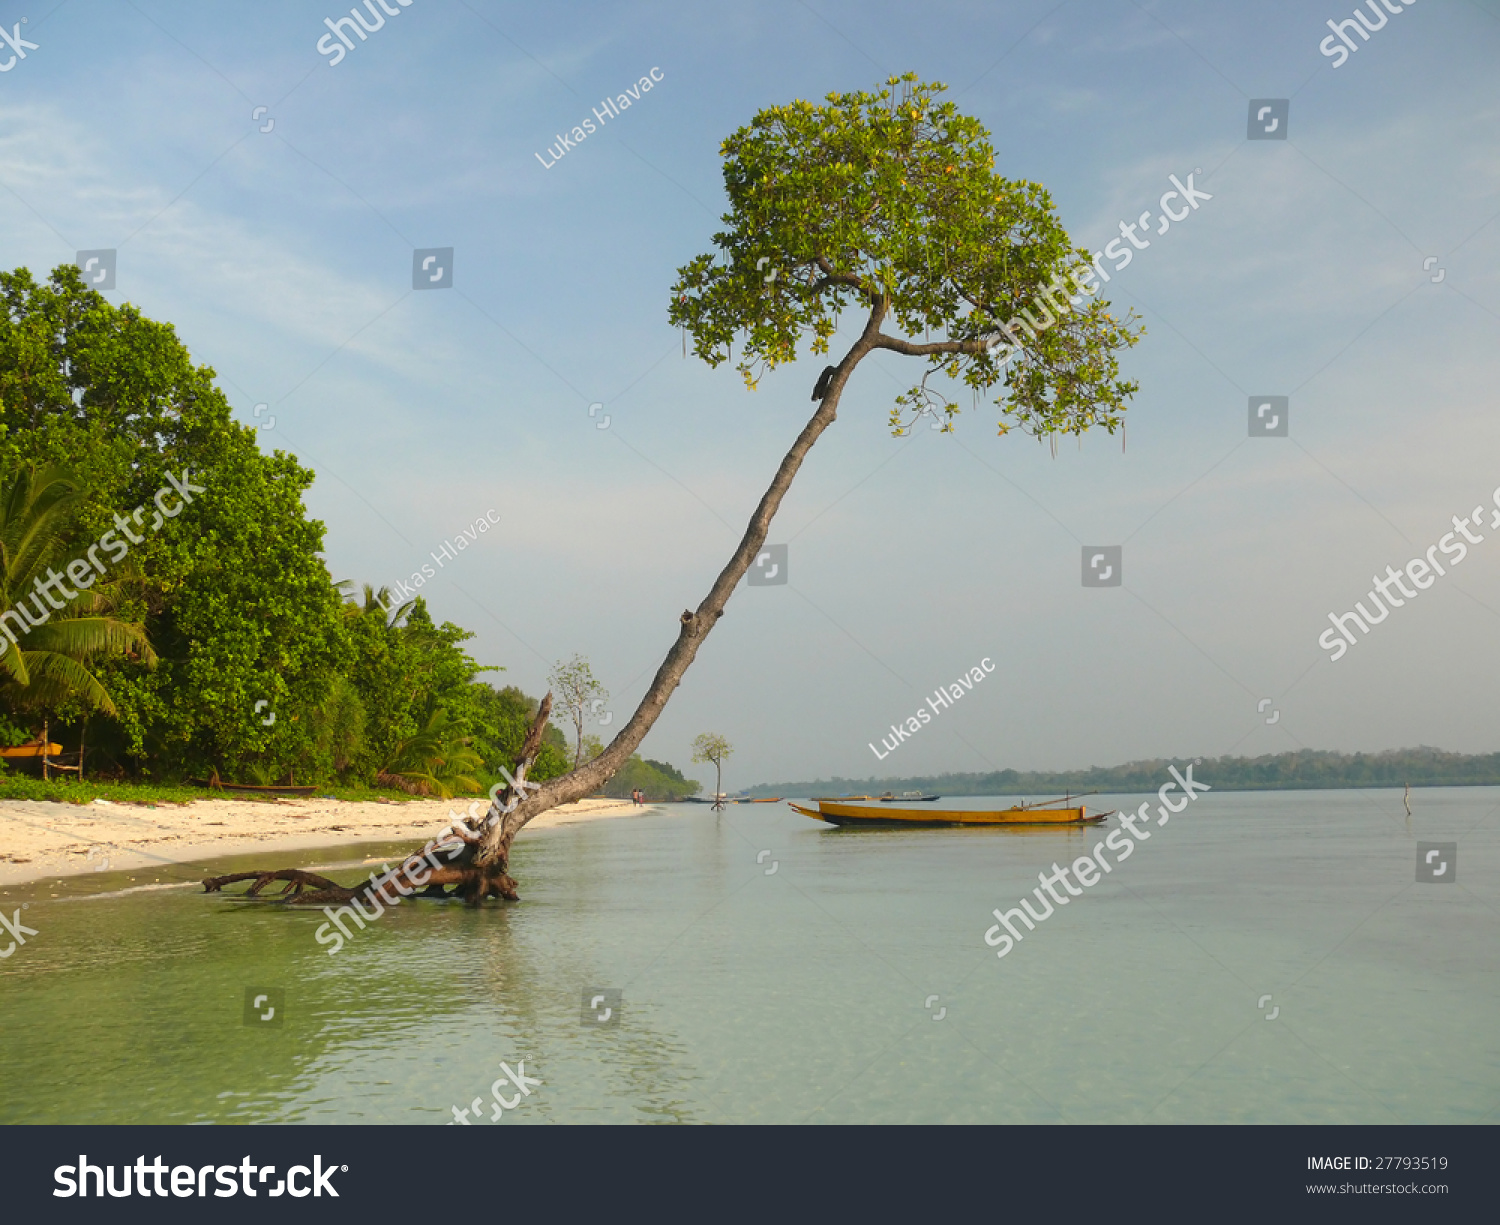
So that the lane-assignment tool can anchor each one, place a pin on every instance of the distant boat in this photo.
(724, 799)
(890, 797)
(839, 812)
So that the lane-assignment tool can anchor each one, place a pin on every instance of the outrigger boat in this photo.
(839, 812)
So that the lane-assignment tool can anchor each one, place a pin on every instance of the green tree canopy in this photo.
(889, 202)
(234, 595)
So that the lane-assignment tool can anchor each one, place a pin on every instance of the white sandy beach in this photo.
(40, 839)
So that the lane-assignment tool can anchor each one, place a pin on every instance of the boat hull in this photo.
(850, 814)
(253, 788)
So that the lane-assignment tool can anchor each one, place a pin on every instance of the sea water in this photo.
(1265, 957)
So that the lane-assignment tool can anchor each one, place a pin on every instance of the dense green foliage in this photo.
(1301, 770)
(889, 201)
(212, 640)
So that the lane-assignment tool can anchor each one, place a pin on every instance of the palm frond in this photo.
(83, 636)
(55, 679)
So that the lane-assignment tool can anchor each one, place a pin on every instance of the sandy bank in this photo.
(40, 839)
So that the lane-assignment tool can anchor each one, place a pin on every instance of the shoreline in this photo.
(45, 839)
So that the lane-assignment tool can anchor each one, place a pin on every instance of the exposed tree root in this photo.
(450, 866)
(296, 882)
(440, 870)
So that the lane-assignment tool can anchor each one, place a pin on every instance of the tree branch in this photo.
(833, 277)
(897, 345)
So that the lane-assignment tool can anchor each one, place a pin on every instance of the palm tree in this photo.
(44, 649)
(436, 761)
(375, 602)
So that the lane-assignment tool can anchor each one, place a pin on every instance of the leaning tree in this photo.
(887, 205)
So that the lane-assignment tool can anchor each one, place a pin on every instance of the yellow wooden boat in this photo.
(839, 813)
(35, 749)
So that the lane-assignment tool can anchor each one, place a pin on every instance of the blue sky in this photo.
(284, 260)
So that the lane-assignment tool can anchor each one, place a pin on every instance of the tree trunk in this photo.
(478, 851)
(695, 625)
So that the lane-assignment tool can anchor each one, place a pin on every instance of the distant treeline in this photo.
(661, 781)
(1302, 770)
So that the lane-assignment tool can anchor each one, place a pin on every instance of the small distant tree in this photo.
(576, 689)
(710, 746)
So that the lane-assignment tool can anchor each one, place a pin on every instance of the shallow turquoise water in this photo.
(801, 993)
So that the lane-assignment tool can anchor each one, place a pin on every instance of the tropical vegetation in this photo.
(218, 645)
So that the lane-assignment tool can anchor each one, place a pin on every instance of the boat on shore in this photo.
(1044, 812)
(216, 784)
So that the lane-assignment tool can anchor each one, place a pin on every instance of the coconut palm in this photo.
(375, 602)
(45, 650)
(436, 761)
